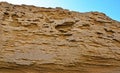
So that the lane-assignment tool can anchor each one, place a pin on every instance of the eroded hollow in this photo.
(65, 27)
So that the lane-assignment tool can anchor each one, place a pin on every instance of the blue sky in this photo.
(110, 7)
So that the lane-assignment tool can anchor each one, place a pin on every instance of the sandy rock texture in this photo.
(55, 40)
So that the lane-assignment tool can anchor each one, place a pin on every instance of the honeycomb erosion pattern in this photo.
(55, 40)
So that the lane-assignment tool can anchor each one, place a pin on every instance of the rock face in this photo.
(55, 40)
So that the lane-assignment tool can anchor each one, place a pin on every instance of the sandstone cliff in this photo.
(55, 40)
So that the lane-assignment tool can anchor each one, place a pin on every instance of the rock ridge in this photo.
(56, 40)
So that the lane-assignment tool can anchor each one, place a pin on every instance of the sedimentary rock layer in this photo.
(55, 40)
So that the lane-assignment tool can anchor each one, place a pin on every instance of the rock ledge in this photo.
(55, 40)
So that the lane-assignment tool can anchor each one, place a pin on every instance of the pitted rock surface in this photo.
(55, 40)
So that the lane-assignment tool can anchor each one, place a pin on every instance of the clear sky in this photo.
(110, 7)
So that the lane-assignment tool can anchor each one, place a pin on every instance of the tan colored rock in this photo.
(54, 40)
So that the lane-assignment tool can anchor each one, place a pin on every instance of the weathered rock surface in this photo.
(47, 40)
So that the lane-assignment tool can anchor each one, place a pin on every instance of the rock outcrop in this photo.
(55, 40)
